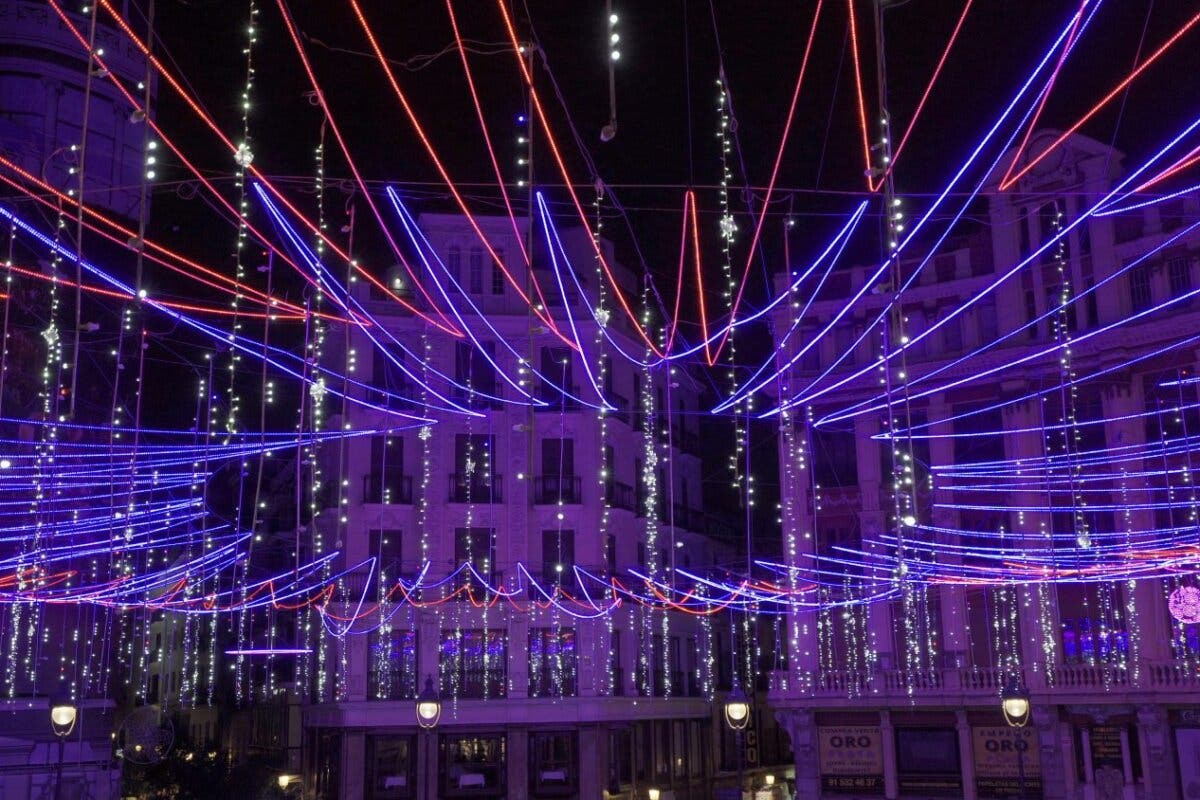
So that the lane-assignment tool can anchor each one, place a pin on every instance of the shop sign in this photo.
(1001, 754)
(851, 759)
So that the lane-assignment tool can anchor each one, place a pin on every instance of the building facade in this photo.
(539, 699)
(901, 698)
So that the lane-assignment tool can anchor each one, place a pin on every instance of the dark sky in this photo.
(666, 94)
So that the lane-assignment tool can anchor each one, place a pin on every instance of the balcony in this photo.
(464, 488)
(387, 489)
(620, 495)
(555, 489)
(622, 407)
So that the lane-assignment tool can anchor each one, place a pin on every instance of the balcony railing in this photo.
(466, 488)
(475, 684)
(389, 489)
(988, 681)
(553, 489)
(477, 398)
(556, 401)
(544, 683)
(620, 495)
(622, 405)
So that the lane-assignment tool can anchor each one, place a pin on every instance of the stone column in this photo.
(1055, 761)
(593, 760)
(801, 728)
(517, 763)
(1149, 626)
(353, 766)
(1157, 751)
(966, 755)
(891, 778)
(872, 520)
(953, 600)
(796, 501)
(1025, 441)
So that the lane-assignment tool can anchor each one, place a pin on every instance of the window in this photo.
(454, 265)
(387, 377)
(477, 547)
(556, 372)
(392, 671)
(1031, 331)
(473, 766)
(1179, 270)
(1139, 288)
(985, 317)
(386, 481)
(552, 662)
(835, 458)
(385, 548)
(473, 368)
(558, 482)
(474, 663)
(611, 554)
(498, 272)
(475, 282)
(558, 556)
(620, 756)
(473, 480)
(614, 664)
(391, 760)
(553, 764)
(952, 338)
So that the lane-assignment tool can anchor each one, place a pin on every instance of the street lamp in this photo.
(653, 794)
(737, 717)
(1014, 702)
(429, 705)
(62, 721)
(429, 711)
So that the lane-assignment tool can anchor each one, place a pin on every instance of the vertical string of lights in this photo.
(23, 633)
(9, 287)
(313, 393)
(648, 502)
(919, 640)
(242, 161)
(340, 662)
(607, 475)
(1186, 649)
(794, 472)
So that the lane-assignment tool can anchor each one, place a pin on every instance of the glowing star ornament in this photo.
(1184, 604)
(244, 156)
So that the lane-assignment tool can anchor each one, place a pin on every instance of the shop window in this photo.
(473, 766)
(391, 761)
(553, 764)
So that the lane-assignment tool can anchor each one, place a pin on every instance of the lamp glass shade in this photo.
(62, 718)
(770, 779)
(653, 794)
(737, 710)
(1016, 709)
